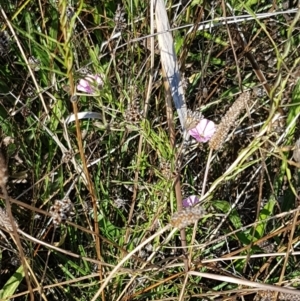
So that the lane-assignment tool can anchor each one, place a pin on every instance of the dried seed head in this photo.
(3, 171)
(120, 203)
(34, 63)
(84, 71)
(186, 217)
(119, 18)
(165, 168)
(267, 246)
(7, 141)
(62, 211)
(192, 119)
(67, 156)
(228, 120)
(5, 220)
(4, 43)
(30, 91)
(133, 114)
(70, 12)
(25, 111)
(296, 152)
(259, 92)
(269, 296)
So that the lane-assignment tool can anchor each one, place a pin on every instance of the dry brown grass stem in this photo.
(228, 120)
(9, 222)
(67, 28)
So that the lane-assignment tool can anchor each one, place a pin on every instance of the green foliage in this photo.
(10, 287)
(133, 166)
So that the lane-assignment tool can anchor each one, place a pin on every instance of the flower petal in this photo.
(90, 83)
(203, 131)
(190, 201)
(84, 86)
(99, 81)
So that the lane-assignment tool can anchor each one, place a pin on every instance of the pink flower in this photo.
(190, 201)
(203, 131)
(90, 84)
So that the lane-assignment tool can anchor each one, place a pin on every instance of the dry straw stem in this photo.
(259, 286)
(169, 60)
(67, 28)
(175, 86)
(228, 120)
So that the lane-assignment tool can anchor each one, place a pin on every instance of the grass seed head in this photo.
(4, 43)
(228, 121)
(3, 171)
(120, 19)
(186, 217)
(5, 220)
(62, 211)
(192, 119)
(133, 114)
(296, 152)
(270, 295)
